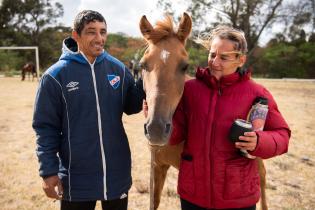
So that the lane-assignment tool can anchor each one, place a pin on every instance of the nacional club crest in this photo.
(114, 80)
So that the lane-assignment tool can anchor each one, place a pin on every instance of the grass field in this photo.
(290, 177)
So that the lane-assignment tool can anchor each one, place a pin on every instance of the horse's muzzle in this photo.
(157, 132)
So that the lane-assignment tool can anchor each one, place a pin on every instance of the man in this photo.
(82, 147)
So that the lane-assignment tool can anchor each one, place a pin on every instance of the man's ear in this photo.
(75, 35)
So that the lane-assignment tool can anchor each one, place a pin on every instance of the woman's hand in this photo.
(249, 141)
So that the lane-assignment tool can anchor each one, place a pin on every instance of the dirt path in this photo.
(290, 177)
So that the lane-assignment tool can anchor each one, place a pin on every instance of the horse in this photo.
(164, 64)
(29, 68)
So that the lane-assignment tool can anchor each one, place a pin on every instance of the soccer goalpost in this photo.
(26, 48)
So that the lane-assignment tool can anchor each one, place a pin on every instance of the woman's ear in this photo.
(242, 60)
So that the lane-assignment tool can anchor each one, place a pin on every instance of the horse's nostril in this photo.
(145, 129)
(167, 128)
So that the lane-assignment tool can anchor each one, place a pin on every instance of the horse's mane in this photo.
(163, 29)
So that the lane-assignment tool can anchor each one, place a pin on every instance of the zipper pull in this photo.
(219, 87)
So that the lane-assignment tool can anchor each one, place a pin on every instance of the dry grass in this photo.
(290, 178)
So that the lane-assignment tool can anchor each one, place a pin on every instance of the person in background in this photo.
(136, 70)
(213, 175)
(82, 147)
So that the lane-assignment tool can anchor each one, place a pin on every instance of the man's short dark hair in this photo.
(85, 17)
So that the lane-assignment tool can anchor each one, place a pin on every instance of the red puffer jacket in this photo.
(212, 173)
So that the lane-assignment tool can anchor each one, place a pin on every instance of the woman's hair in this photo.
(225, 32)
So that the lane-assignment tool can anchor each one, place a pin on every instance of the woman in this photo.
(213, 174)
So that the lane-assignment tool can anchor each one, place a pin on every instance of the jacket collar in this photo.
(70, 51)
(205, 76)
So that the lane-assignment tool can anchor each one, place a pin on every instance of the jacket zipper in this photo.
(99, 129)
(211, 143)
(219, 91)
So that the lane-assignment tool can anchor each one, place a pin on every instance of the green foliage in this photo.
(254, 18)
(24, 20)
(307, 56)
(116, 40)
(26, 23)
(288, 60)
(33, 22)
(10, 60)
(198, 56)
(51, 43)
(124, 48)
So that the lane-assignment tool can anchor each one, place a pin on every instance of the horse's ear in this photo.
(184, 28)
(146, 27)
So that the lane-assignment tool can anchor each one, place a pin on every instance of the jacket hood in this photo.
(205, 76)
(70, 51)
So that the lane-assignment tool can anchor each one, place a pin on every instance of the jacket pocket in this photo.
(240, 181)
(186, 175)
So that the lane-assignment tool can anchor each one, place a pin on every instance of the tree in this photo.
(302, 17)
(198, 56)
(252, 16)
(22, 21)
(312, 10)
(287, 59)
(9, 60)
(29, 22)
(50, 44)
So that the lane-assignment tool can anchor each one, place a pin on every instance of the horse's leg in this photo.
(157, 177)
(33, 76)
(165, 157)
(262, 174)
(34, 73)
(160, 172)
(161, 159)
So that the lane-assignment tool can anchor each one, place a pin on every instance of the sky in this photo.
(120, 15)
(123, 15)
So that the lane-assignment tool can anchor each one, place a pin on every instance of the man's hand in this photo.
(49, 186)
(249, 141)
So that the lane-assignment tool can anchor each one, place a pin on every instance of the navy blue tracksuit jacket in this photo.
(78, 124)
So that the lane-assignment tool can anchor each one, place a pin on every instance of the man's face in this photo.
(92, 39)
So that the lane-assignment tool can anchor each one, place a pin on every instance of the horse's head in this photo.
(164, 62)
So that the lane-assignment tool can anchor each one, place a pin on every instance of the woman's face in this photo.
(223, 58)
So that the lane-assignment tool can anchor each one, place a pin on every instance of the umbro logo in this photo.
(72, 86)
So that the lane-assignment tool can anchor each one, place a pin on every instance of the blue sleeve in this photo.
(135, 94)
(47, 124)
